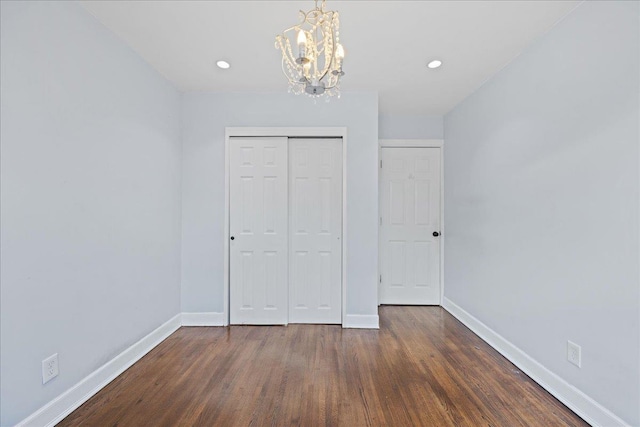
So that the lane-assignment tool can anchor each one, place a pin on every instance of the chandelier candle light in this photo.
(317, 68)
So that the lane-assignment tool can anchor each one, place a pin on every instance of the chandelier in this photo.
(315, 67)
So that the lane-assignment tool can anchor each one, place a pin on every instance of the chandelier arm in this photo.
(287, 54)
(290, 60)
(292, 80)
(294, 28)
(337, 82)
(333, 52)
(335, 85)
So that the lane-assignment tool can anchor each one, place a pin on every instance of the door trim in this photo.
(416, 143)
(289, 132)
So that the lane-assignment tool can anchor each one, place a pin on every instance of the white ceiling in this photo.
(388, 43)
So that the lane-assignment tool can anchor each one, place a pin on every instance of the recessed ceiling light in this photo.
(223, 64)
(434, 64)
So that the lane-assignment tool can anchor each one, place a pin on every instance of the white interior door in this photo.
(315, 215)
(410, 216)
(258, 229)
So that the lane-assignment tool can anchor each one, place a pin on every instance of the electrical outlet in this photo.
(49, 368)
(574, 353)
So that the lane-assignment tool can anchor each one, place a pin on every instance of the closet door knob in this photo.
(233, 238)
(435, 234)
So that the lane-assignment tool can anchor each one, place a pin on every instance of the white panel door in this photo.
(315, 215)
(258, 229)
(410, 220)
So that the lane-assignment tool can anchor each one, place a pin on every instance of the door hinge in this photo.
(380, 220)
(381, 278)
(380, 164)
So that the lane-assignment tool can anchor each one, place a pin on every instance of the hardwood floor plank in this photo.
(422, 368)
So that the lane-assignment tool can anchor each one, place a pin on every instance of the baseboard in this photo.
(587, 408)
(56, 410)
(361, 321)
(203, 319)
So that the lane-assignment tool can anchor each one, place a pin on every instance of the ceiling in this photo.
(387, 43)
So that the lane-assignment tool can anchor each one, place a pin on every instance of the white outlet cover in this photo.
(49, 368)
(574, 354)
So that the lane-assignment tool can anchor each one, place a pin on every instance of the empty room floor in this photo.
(422, 367)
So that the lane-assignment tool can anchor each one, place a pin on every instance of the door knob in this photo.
(232, 238)
(435, 234)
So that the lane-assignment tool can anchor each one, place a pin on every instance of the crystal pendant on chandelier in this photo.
(315, 66)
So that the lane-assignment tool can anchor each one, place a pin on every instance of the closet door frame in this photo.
(289, 132)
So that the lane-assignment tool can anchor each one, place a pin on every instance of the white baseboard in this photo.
(203, 319)
(587, 408)
(55, 411)
(361, 321)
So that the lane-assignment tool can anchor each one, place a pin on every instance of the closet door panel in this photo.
(258, 253)
(315, 241)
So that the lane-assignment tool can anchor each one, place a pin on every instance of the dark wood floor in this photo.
(422, 368)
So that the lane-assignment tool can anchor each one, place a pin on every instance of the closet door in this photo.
(315, 228)
(258, 231)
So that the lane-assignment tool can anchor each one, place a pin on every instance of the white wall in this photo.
(90, 199)
(542, 202)
(392, 126)
(205, 116)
